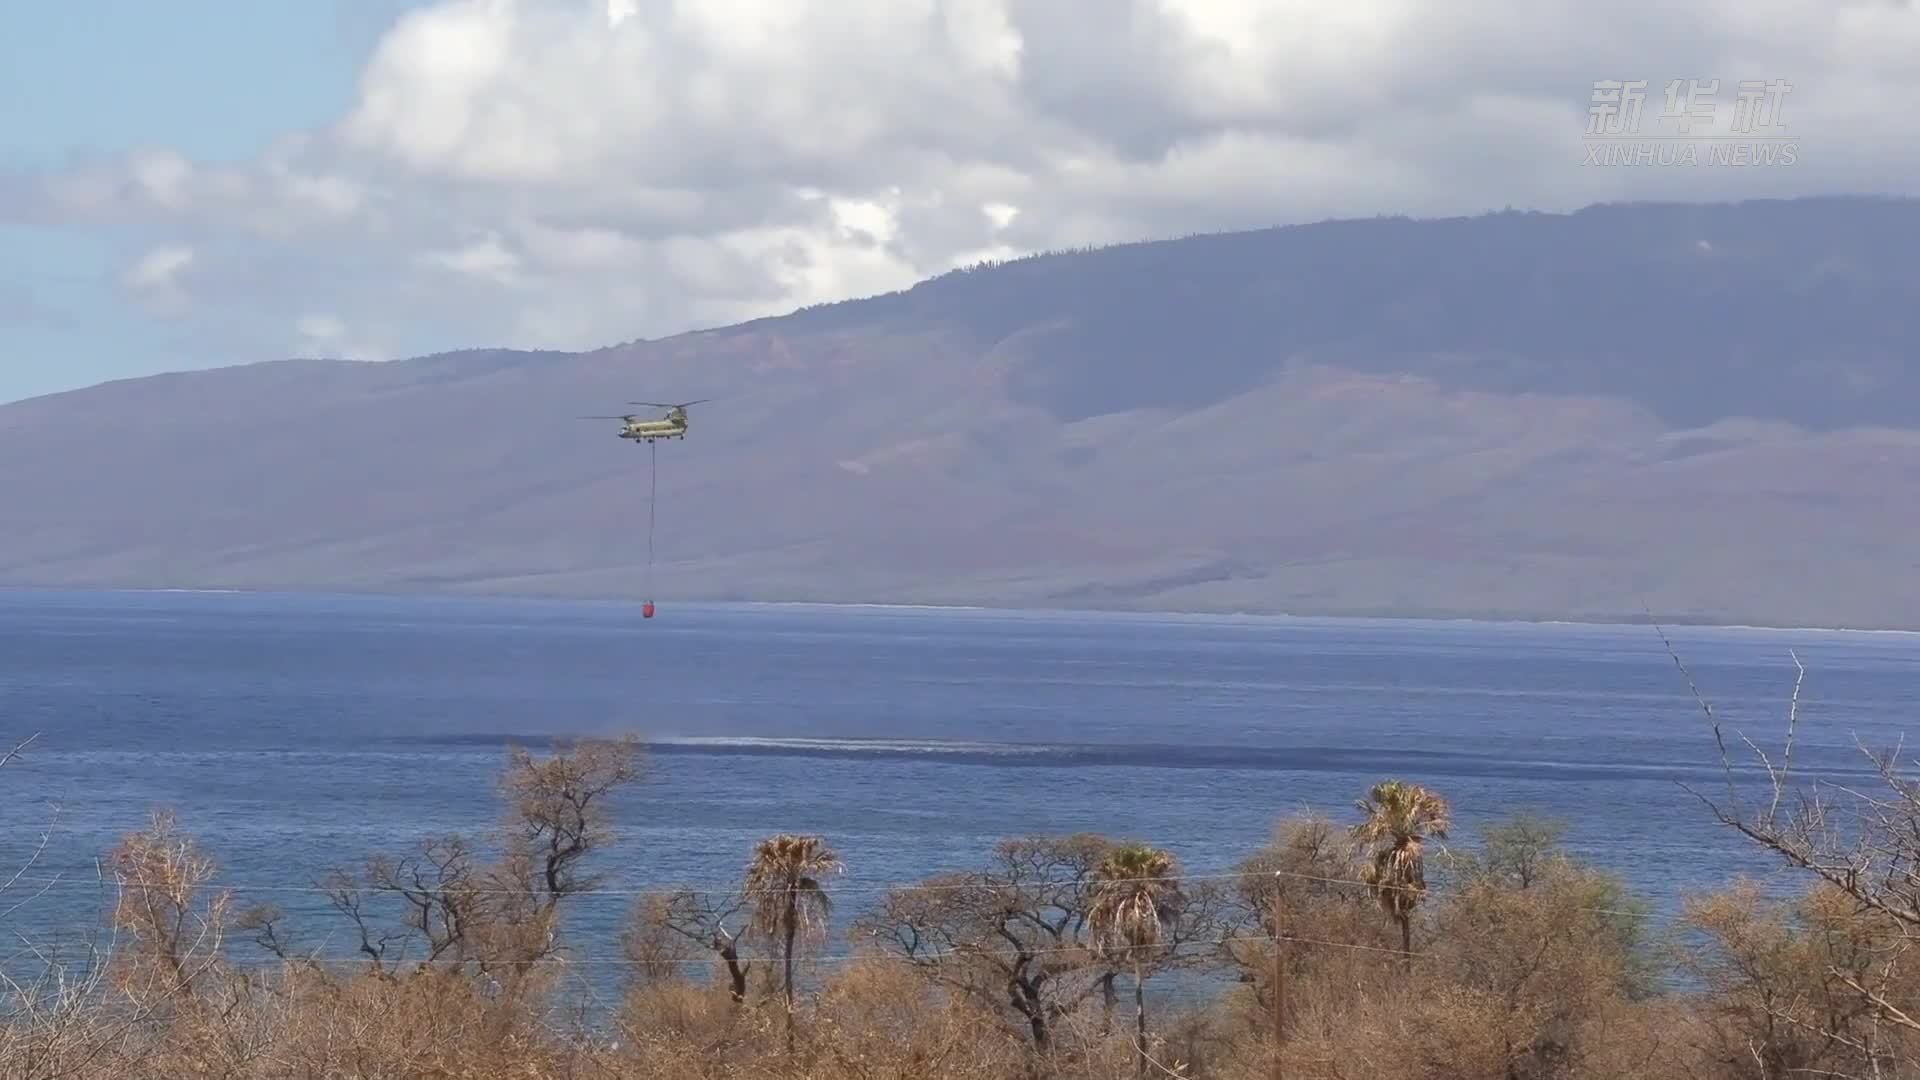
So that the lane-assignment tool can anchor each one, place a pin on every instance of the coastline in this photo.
(1147, 614)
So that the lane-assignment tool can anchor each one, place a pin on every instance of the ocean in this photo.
(293, 733)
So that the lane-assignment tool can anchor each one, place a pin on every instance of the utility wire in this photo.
(855, 888)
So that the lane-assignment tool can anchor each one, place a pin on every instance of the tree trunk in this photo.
(793, 915)
(1406, 941)
(1028, 1001)
(1140, 1021)
(1110, 1000)
(736, 973)
(1038, 1025)
(1025, 998)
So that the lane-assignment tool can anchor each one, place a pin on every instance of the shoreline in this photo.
(1144, 614)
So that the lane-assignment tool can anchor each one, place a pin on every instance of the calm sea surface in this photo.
(295, 733)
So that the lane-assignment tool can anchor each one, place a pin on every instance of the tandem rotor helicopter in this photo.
(645, 430)
(671, 426)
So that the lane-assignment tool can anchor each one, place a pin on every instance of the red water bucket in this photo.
(646, 610)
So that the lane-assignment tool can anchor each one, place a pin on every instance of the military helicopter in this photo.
(646, 430)
(671, 426)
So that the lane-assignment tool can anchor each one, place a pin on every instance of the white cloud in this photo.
(159, 268)
(619, 11)
(320, 327)
(570, 173)
(162, 176)
(484, 259)
(155, 278)
(326, 337)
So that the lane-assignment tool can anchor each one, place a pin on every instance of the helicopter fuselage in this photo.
(649, 430)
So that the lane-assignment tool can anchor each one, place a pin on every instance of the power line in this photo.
(851, 889)
(922, 959)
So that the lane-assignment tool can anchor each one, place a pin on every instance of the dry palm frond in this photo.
(783, 883)
(1399, 818)
(1135, 896)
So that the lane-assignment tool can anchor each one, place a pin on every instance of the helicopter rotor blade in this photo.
(605, 418)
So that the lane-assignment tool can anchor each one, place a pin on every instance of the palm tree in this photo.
(1399, 818)
(790, 905)
(1136, 897)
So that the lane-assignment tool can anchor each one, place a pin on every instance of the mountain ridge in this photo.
(1700, 409)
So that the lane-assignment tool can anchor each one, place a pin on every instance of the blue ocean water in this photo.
(295, 733)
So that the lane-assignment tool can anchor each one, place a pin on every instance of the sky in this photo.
(378, 179)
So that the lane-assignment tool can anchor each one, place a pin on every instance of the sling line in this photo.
(653, 495)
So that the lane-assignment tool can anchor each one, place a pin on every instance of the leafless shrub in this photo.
(1011, 936)
(666, 930)
(1861, 843)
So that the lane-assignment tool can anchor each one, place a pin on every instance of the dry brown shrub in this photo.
(696, 1028)
(1403, 1031)
(879, 1020)
(1791, 986)
(1646, 1040)
(1533, 963)
(1527, 967)
(428, 1024)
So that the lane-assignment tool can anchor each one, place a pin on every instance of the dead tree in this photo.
(1011, 936)
(664, 928)
(1860, 841)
